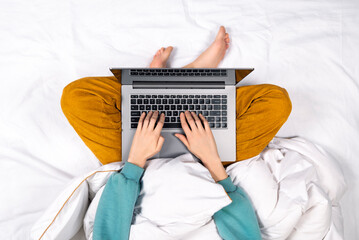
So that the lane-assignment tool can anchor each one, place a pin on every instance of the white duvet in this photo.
(294, 186)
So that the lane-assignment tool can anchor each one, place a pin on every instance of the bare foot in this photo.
(160, 58)
(214, 53)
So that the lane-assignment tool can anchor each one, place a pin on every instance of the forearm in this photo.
(216, 169)
(115, 210)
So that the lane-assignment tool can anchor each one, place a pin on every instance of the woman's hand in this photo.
(200, 141)
(147, 140)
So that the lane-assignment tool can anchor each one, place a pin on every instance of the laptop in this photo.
(211, 92)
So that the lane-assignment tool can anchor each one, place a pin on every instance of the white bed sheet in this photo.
(309, 47)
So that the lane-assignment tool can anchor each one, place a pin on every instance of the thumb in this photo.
(160, 142)
(183, 139)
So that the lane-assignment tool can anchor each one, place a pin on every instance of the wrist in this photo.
(217, 171)
(136, 161)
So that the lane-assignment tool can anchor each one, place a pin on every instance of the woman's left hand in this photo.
(147, 140)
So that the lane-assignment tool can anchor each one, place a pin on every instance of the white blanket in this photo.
(309, 47)
(295, 189)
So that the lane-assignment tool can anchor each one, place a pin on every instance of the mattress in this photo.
(311, 48)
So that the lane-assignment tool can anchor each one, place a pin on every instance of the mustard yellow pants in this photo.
(92, 105)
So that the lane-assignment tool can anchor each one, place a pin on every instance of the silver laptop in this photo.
(211, 92)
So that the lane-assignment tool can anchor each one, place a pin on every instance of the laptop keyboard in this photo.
(212, 107)
(179, 72)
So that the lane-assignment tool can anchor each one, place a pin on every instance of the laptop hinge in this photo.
(179, 84)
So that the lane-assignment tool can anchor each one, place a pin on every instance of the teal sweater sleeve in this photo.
(115, 209)
(238, 219)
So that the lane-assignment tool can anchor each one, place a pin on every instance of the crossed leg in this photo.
(92, 105)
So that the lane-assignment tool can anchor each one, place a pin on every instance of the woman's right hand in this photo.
(200, 141)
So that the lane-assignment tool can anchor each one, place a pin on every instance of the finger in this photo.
(160, 142)
(160, 124)
(140, 122)
(190, 120)
(182, 139)
(184, 124)
(153, 120)
(198, 121)
(147, 119)
(205, 122)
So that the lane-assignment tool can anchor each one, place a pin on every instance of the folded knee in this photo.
(281, 101)
(71, 95)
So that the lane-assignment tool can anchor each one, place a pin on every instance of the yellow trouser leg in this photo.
(93, 107)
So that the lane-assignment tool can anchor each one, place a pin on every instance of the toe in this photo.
(168, 51)
(221, 33)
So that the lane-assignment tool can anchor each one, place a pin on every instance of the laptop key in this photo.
(217, 107)
(133, 101)
(142, 107)
(224, 113)
(224, 125)
(135, 113)
(218, 125)
(172, 125)
(135, 119)
(134, 107)
(215, 113)
(211, 125)
(224, 107)
(210, 119)
(216, 101)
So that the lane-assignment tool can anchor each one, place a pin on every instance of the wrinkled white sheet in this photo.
(309, 47)
(294, 187)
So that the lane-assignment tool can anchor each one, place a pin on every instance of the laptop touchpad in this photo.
(172, 147)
